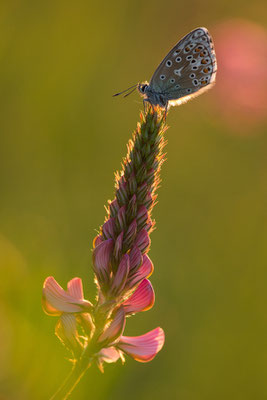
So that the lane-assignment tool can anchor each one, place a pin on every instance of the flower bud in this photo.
(142, 241)
(121, 218)
(116, 327)
(108, 228)
(136, 259)
(130, 234)
(102, 261)
(66, 331)
(121, 275)
(113, 208)
(142, 216)
(118, 247)
(132, 207)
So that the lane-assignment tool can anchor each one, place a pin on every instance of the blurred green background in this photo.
(63, 136)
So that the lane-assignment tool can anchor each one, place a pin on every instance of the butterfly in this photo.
(188, 70)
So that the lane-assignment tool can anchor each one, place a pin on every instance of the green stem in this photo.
(71, 381)
(84, 362)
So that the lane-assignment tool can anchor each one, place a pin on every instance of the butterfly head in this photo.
(142, 87)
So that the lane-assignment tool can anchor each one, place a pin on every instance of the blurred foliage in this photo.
(62, 138)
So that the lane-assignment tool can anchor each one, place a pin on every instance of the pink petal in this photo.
(75, 288)
(131, 232)
(114, 207)
(135, 259)
(116, 327)
(142, 215)
(141, 300)
(143, 272)
(118, 246)
(145, 347)
(108, 228)
(66, 331)
(142, 240)
(85, 320)
(97, 240)
(121, 275)
(56, 300)
(109, 355)
(121, 217)
(101, 259)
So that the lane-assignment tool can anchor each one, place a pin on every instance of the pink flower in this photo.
(141, 348)
(102, 260)
(72, 309)
(120, 263)
(144, 271)
(142, 299)
(115, 329)
(108, 355)
(56, 300)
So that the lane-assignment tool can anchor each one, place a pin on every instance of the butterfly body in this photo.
(188, 70)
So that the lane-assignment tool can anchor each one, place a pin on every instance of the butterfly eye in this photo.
(142, 88)
(168, 63)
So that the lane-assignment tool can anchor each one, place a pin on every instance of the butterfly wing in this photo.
(188, 69)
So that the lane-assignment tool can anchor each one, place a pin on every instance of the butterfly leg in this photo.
(166, 110)
(146, 104)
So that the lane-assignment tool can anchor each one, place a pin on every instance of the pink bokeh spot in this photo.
(241, 85)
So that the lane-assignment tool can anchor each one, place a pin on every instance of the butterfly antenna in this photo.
(127, 94)
(126, 90)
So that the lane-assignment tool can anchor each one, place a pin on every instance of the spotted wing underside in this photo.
(188, 69)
